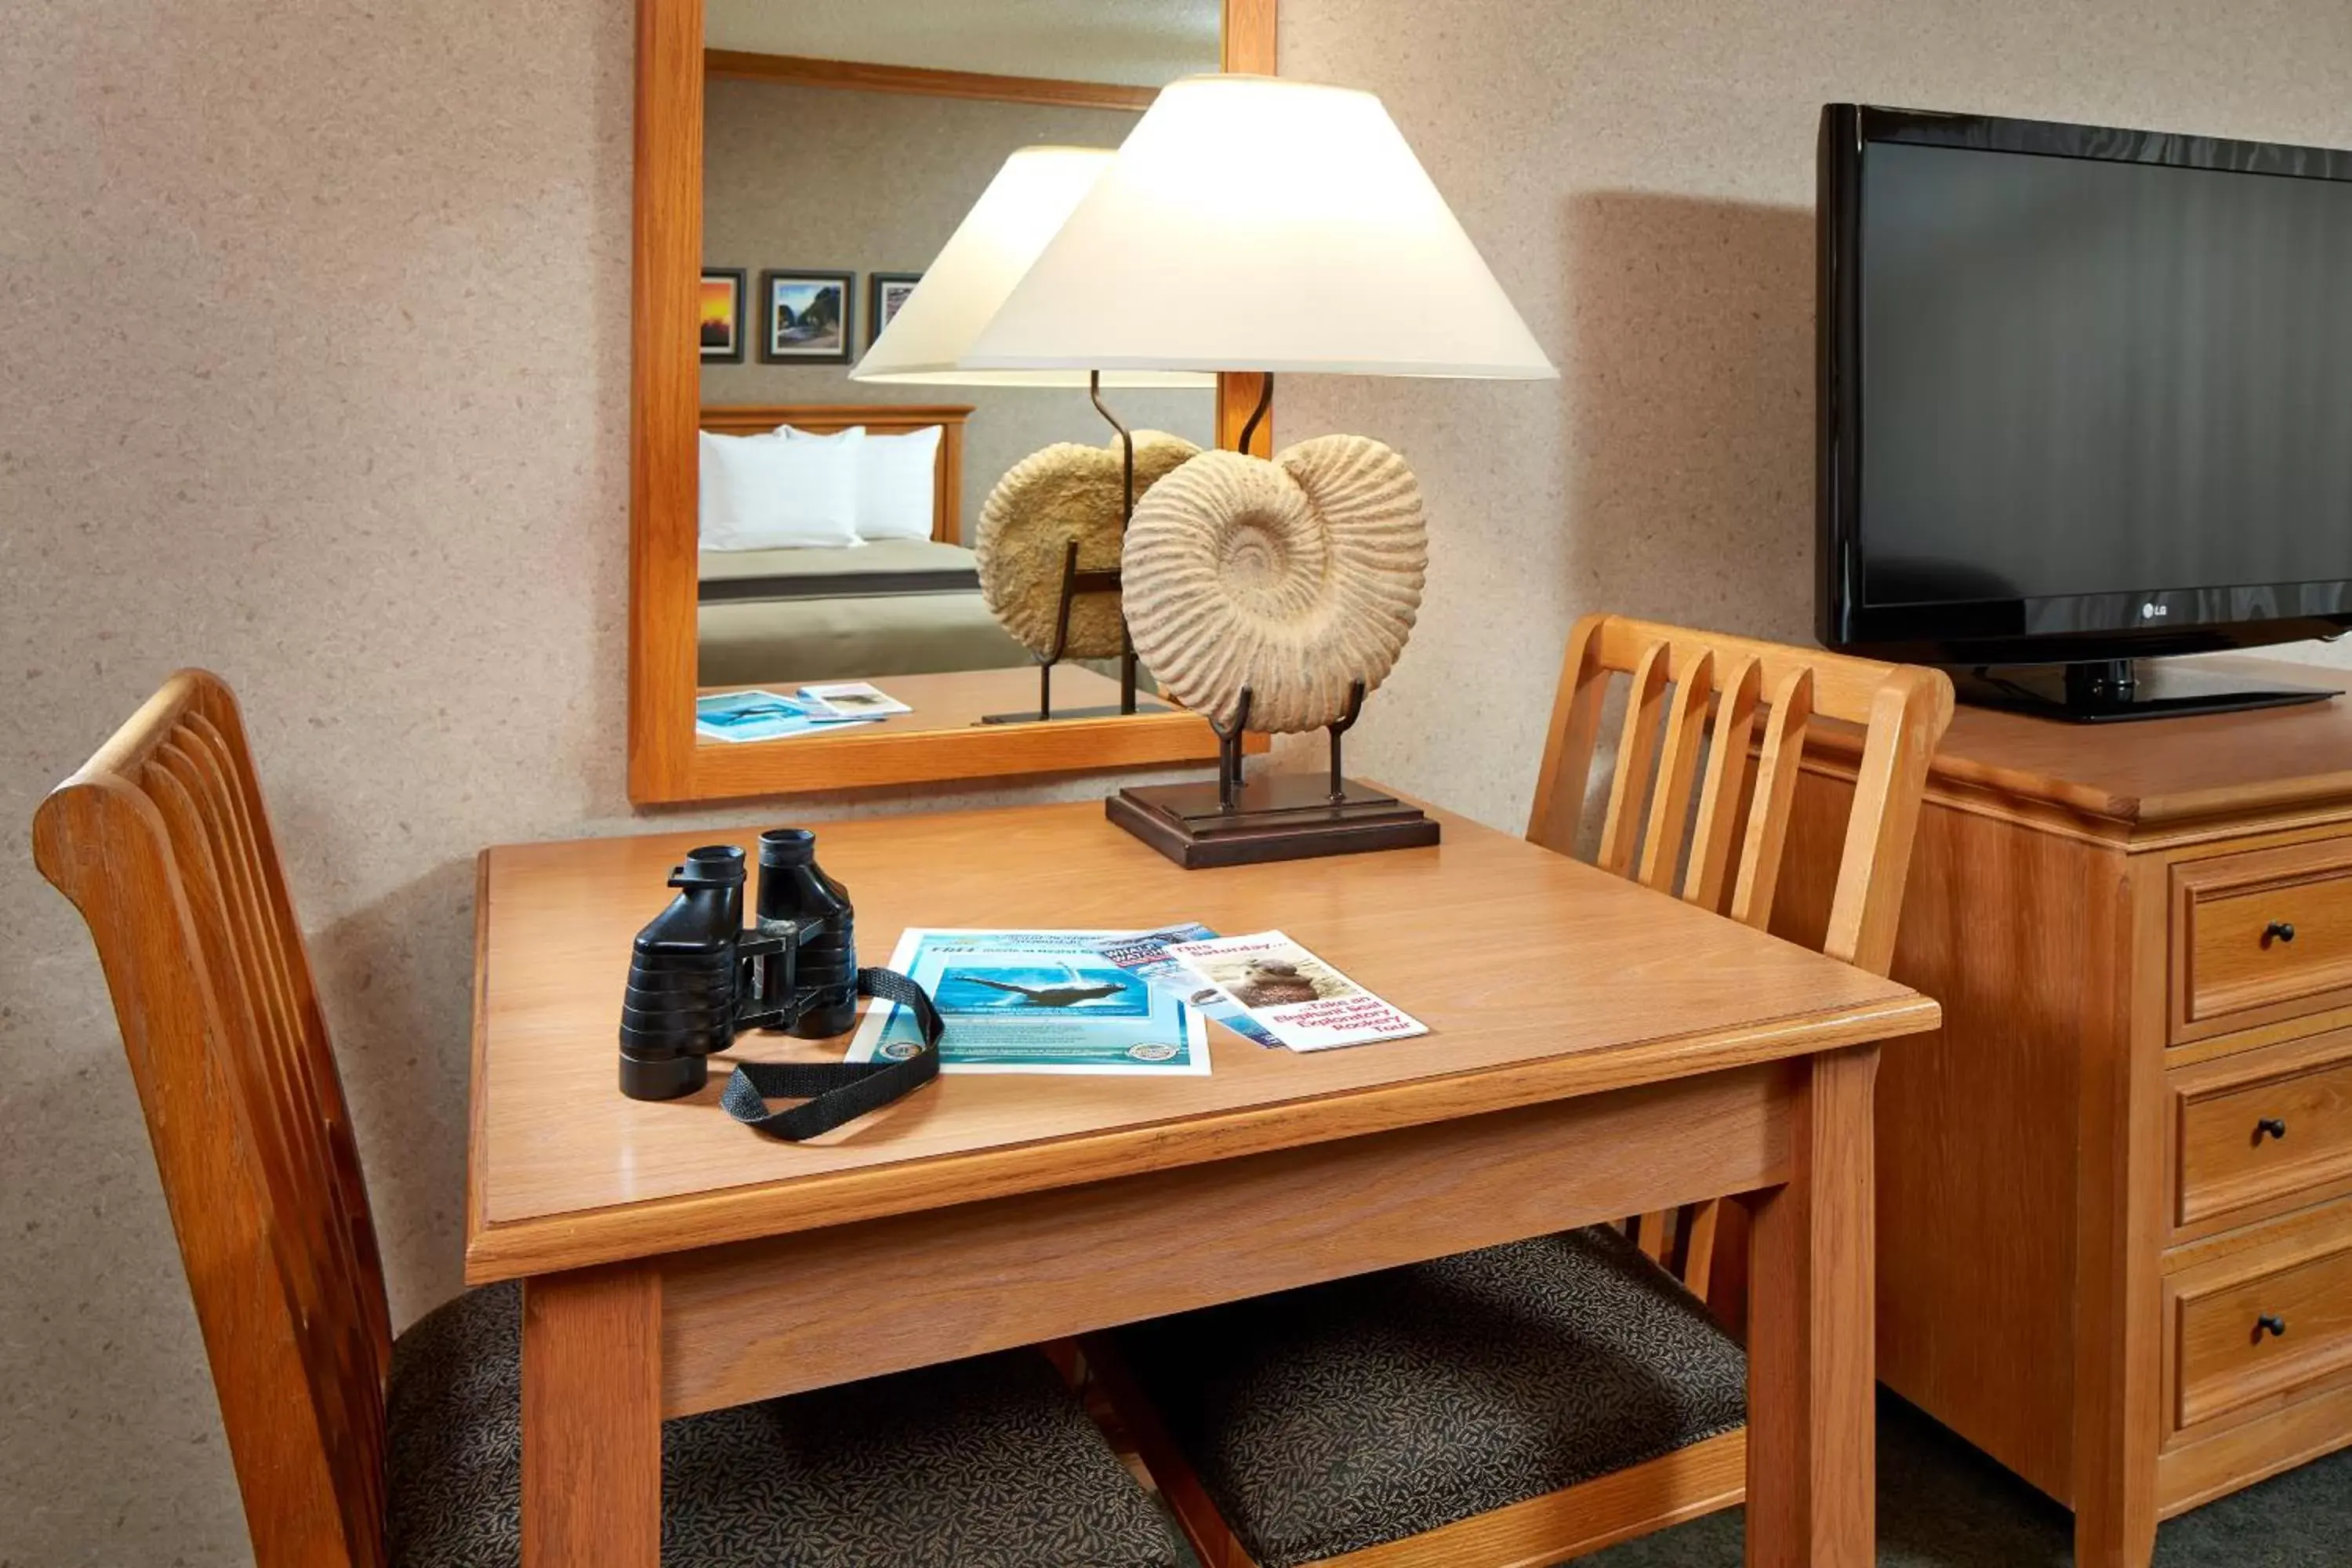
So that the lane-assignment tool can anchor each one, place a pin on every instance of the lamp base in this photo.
(1276, 816)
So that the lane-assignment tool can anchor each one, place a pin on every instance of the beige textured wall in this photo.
(312, 368)
(813, 178)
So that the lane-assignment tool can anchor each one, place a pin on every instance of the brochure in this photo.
(1305, 1003)
(1146, 953)
(855, 699)
(1036, 1001)
(764, 716)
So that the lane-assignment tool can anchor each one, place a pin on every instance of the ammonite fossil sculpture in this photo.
(1297, 577)
(1064, 492)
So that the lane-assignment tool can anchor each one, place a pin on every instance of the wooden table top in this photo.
(1539, 978)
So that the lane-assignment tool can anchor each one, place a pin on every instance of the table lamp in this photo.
(1036, 584)
(1251, 224)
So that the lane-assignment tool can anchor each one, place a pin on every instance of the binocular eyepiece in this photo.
(696, 976)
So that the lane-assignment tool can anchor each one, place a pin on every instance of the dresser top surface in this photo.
(2158, 771)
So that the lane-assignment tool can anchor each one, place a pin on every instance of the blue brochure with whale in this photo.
(1036, 1001)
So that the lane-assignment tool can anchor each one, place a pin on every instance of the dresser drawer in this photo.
(2261, 1126)
(2260, 937)
(2266, 1323)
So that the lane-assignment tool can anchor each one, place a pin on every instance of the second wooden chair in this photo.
(1534, 1401)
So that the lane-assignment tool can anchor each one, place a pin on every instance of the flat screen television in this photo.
(2086, 395)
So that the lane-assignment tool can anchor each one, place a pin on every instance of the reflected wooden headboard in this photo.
(881, 419)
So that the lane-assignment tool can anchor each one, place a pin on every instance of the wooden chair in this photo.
(1721, 686)
(1546, 1398)
(354, 1451)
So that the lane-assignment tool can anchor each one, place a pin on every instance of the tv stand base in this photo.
(2108, 691)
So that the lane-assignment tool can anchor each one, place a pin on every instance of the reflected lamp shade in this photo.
(1022, 207)
(1254, 224)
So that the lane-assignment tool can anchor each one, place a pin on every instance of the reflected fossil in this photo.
(1063, 493)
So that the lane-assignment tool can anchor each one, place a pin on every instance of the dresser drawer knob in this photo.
(2282, 930)
(2270, 1323)
(2270, 1127)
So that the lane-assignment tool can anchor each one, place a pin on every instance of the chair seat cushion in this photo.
(978, 1464)
(1370, 1410)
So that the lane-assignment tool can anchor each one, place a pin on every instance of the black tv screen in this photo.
(2084, 393)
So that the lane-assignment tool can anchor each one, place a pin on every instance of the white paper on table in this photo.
(1308, 1005)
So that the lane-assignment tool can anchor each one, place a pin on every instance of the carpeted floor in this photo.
(1941, 1504)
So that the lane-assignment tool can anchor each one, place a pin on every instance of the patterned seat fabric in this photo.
(1370, 1410)
(989, 1463)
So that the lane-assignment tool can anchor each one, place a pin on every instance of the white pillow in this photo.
(760, 493)
(897, 481)
(898, 484)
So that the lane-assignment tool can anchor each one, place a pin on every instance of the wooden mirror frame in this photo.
(668, 764)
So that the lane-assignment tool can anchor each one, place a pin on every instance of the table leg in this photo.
(1811, 1459)
(591, 1418)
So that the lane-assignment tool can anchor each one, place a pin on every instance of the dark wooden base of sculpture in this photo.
(1285, 816)
(1281, 816)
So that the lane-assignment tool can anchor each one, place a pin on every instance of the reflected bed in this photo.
(897, 606)
(890, 606)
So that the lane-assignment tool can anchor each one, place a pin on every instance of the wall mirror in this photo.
(802, 540)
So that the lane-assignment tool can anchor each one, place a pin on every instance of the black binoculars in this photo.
(696, 977)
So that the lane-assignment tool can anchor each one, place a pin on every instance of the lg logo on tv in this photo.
(2153, 611)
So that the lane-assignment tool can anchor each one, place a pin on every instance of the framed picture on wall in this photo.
(722, 315)
(885, 292)
(805, 317)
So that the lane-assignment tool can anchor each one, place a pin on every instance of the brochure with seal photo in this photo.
(855, 699)
(1305, 1003)
(1146, 953)
(1036, 1001)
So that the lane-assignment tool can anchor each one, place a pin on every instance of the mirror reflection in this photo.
(841, 519)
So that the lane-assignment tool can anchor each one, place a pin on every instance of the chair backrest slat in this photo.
(1575, 731)
(1776, 795)
(1724, 793)
(1691, 693)
(1637, 756)
(1662, 845)
(162, 843)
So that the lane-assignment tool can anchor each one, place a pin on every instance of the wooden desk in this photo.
(1596, 1050)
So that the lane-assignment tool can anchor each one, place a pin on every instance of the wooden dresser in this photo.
(2115, 1234)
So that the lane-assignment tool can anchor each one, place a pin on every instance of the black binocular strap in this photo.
(834, 1092)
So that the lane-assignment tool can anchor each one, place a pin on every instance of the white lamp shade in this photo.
(1251, 224)
(1022, 207)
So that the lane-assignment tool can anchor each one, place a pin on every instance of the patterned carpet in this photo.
(1941, 1504)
